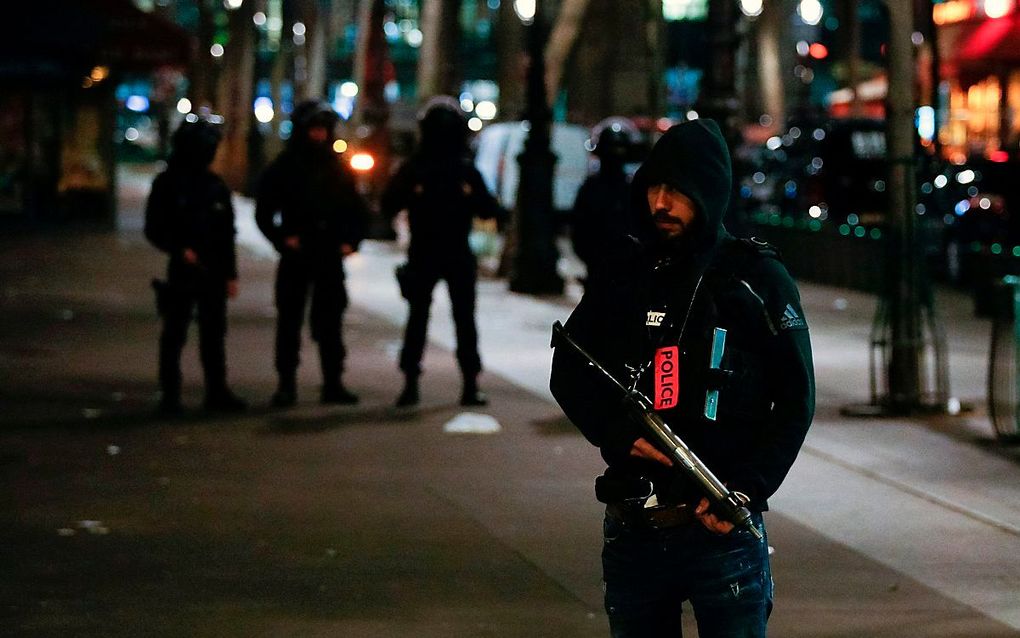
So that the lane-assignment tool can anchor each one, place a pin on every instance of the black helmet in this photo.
(311, 114)
(443, 126)
(195, 141)
(614, 137)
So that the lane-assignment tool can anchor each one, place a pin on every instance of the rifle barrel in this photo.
(670, 441)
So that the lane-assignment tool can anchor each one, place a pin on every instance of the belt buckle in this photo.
(668, 516)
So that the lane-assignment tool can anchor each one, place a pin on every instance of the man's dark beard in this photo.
(681, 244)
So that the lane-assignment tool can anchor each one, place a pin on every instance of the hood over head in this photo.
(444, 130)
(308, 115)
(194, 144)
(691, 157)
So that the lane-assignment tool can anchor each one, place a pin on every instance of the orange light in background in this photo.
(340, 146)
(953, 11)
(818, 51)
(362, 162)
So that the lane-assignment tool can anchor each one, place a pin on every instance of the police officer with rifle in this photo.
(691, 370)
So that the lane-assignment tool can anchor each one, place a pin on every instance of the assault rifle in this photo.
(724, 502)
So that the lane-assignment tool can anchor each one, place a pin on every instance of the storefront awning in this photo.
(989, 42)
(44, 40)
(137, 41)
(870, 96)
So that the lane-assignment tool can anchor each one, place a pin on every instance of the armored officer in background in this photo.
(712, 330)
(308, 207)
(442, 193)
(601, 215)
(189, 216)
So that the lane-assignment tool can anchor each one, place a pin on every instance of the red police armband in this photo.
(667, 378)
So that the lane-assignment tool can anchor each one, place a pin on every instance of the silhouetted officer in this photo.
(308, 207)
(600, 216)
(442, 193)
(189, 216)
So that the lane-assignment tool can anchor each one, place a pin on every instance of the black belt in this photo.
(654, 518)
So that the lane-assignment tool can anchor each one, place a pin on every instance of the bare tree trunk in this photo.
(905, 269)
(339, 12)
(310, 49)
(562, 40)
(362, 53)
(372, 112)
(853, 55)
(718, 96)
(593, 69)
(655, 47)
(369, 63)
(234, 98)
(770, 63)
(301, 13)
(322, 42)
(202, 71)
(437, 61)
(277, 75)
(317, 61)
(512, 62)
(617, 66)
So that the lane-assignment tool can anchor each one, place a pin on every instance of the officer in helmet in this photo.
(189, 217)
(442, 193)
(307, 205)
(601, 208)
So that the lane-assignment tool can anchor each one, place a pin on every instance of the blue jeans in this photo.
(648, 574)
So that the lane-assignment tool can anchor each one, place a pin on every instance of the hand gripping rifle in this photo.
(723, 500)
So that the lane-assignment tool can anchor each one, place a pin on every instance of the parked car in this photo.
(498, 146)
(837, 171)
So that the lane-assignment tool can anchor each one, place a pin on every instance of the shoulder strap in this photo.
(739, 255)
(760, 247)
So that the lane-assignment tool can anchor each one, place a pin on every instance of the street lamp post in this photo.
(904, 302)
(534, 263)
(906, 333)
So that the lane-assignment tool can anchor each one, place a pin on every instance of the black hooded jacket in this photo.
(189, 207)
(442, 192)
(676, 293)
(600, 218)
(308, 192)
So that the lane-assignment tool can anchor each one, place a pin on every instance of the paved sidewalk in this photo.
(373, 522)
(934, 499)
(905, 492)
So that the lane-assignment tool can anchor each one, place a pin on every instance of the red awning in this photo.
(990, 41)
(138, 41)
(65, 38)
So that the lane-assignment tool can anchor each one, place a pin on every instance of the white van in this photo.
(496, 159)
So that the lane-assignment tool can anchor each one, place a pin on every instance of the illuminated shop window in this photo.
(685, 9)
(1013, 100)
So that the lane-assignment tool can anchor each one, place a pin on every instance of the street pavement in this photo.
(369, 521)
